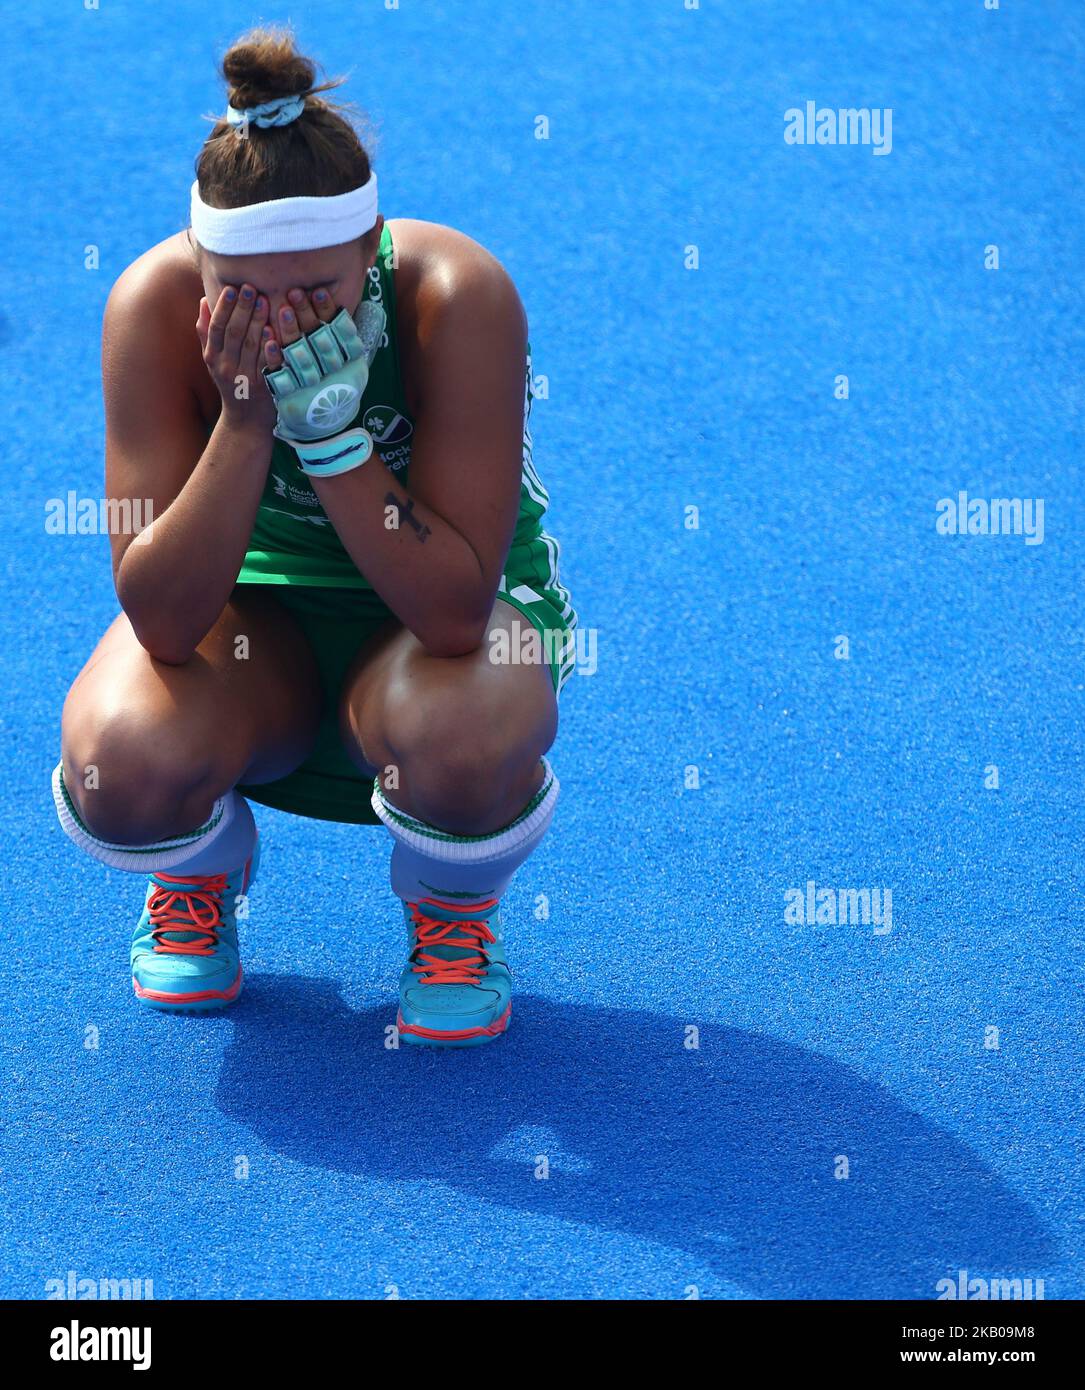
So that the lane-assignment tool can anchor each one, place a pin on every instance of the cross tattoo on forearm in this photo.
(406, 513)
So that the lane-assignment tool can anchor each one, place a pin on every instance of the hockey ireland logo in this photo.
(387, 425)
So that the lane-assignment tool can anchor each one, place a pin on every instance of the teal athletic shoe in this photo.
(456, 989)
(184, 949)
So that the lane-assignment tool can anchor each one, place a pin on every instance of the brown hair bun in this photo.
(266, 64)
(318, 155)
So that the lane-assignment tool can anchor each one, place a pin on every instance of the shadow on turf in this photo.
(726, 1152)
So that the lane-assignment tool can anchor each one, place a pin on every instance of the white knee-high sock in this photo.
(430, 863)
(220, 845)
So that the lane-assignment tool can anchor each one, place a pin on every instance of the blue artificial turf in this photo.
(282, 1149)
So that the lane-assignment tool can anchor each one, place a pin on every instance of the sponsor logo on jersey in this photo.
(300, 496)
(375, 292)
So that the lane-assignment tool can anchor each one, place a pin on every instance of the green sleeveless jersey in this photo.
(293, 541)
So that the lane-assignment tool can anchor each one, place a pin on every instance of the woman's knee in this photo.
(135, 770)
(465, 761)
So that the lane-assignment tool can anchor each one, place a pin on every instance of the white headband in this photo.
(285, 224)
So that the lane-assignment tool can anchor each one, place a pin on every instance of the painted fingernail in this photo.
(247, 292)
(231, 295)
(288, 314)
(320, 296)
(296, 296)
(261, 303)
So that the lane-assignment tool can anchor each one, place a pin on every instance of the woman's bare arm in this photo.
(203, 492)
(434, 552)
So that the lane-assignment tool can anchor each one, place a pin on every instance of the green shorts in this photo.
(327, 786)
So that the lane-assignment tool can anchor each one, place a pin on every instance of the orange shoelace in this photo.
(473, 935)
(194, 910)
